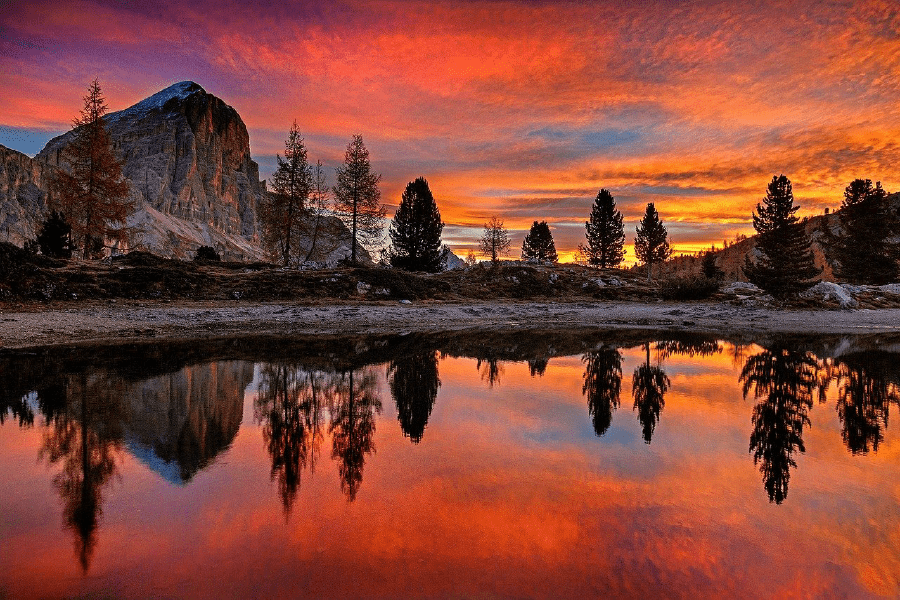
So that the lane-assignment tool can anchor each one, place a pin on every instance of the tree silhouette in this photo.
(538, 366)
(651, 245)
(538, 244)
(416, 230)
(689, 346)
(291, 404)
(86, 439)
(709, 268)
(865, 392)
(414, 384)
(89, 189)
(494, 241)
(283, 212)
(352, 428)
(784, 265)
(784, 382)
(357, 197)
(602, 385)
(55, 237)
(491, 371)
(649, 386)
(866, 251)
(605, 233)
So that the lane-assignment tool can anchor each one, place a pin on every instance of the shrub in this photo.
(207, 254)
(696, 287)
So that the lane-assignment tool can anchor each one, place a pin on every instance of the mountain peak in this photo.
(181, 90)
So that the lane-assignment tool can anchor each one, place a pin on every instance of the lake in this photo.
(468, 464)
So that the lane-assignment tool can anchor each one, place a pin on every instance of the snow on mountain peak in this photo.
(180, 90)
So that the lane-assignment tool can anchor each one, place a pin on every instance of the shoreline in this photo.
(107, 322)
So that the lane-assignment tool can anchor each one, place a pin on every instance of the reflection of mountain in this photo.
(178, 423)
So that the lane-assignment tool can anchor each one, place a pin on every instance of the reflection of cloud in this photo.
(692, 106)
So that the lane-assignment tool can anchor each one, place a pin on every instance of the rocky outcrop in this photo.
(186, 155)
(23, 196)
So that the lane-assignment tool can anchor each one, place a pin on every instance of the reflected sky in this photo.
(770, 471)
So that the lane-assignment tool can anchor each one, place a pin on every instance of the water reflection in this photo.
(414, 385)
(602, 384)
(176, 415)
(649, 385)
(784, 382)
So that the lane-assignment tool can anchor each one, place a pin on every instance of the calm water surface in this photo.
(515, 465)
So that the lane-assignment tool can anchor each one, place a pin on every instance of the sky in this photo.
(519, 109)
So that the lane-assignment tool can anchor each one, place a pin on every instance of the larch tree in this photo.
(605, 232)
(283, 215)
(317, 206)
(89, 189)
(494, 241)
(416, 230)
(358, 199)
(538, 245)
(651, 244)
(865, 250)
(784, 265)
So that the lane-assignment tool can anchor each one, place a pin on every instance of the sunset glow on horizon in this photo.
(522, 110)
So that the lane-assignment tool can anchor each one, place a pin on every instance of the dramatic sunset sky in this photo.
(522, 110)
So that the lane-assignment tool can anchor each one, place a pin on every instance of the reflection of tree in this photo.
(17, 406)
(865, 393)
(290, 402)
(86, 439)
(353, 427)
(785, 380)
(688, 347)
(649, 385)
(537, 366)
(414, 385)
(491, 372)
(602, 384)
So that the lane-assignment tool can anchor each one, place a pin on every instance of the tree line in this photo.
(89, 206)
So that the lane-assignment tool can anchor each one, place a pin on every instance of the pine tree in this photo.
(494, 241)
(538, 245)
(89, 189)
(282, 215)
(709, 267)
(651, 245)
(358, 199)
(317, 206)
(55, 237)
(605, 232)
(864, 251)
(416, 230)
(785, 264)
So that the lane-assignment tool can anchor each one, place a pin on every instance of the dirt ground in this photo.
(119, 320)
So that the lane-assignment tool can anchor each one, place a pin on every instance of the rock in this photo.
(362, 287)
(741, 287)
(404, 301)
(830, 292)
(186, 156)
(450, 261)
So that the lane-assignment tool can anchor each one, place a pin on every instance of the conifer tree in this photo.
(864, 250)
(785, 264)
(358, 199)
(605, 232)
(416, 230)
(538, 245)
(495, 239)
(282, 215)
(651, 245)
(709, 267)
(55, 237)
(89, 189)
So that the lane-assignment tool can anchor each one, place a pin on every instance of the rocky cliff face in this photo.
(23, 197)
(186, 155)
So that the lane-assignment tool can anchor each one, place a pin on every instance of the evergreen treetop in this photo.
(416, 229)
(538, 244)
(785, 264)
(605, 232)
(651, 244)
(865, 251)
